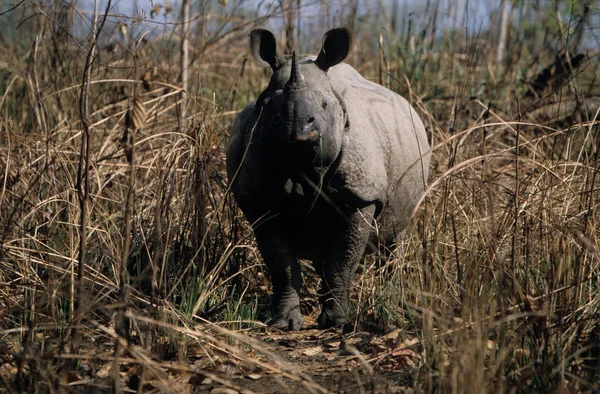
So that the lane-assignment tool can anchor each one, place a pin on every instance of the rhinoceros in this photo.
(323, 164)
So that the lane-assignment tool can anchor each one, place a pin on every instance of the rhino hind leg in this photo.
(337, 271)
(286, 278)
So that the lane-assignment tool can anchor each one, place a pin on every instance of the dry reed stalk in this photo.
(83, 182)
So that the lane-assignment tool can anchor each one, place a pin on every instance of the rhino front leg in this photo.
(338, 270)
(286, 278)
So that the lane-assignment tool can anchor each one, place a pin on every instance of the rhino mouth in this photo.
(309, 134)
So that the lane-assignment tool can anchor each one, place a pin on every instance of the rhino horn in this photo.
(296, 81)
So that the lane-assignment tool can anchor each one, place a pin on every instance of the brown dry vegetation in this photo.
(126, 266)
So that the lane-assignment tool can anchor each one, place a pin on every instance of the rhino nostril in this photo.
(310, 120)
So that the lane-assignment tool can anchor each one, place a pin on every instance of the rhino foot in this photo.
(290, 321)
(329, 318)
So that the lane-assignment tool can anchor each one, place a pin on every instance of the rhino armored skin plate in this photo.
(323, 164)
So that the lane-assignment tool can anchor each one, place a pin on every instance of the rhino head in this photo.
(300, 107)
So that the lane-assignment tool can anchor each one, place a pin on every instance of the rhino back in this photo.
(383, 146)
(243, 169)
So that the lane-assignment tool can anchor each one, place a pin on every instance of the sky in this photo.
(471, 15)
(478, 10)
(474, 14)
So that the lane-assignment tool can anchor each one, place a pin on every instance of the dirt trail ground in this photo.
(265, 361)
(344, 363)
(319, 361)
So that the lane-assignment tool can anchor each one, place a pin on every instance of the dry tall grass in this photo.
(495, 288)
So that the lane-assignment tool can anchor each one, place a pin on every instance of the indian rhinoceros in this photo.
(322, 164)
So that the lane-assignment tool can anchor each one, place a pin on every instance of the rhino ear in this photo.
(264, 49)
(335, 48)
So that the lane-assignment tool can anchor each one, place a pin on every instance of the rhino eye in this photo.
(324, 104)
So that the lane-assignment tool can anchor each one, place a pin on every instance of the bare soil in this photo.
(313, 360)
(306, 361)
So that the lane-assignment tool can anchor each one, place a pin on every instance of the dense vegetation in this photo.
(124, 261)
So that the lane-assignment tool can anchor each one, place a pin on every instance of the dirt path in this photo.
(313, 360)
(306, 361)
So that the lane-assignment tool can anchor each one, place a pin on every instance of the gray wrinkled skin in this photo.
(321, 164)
